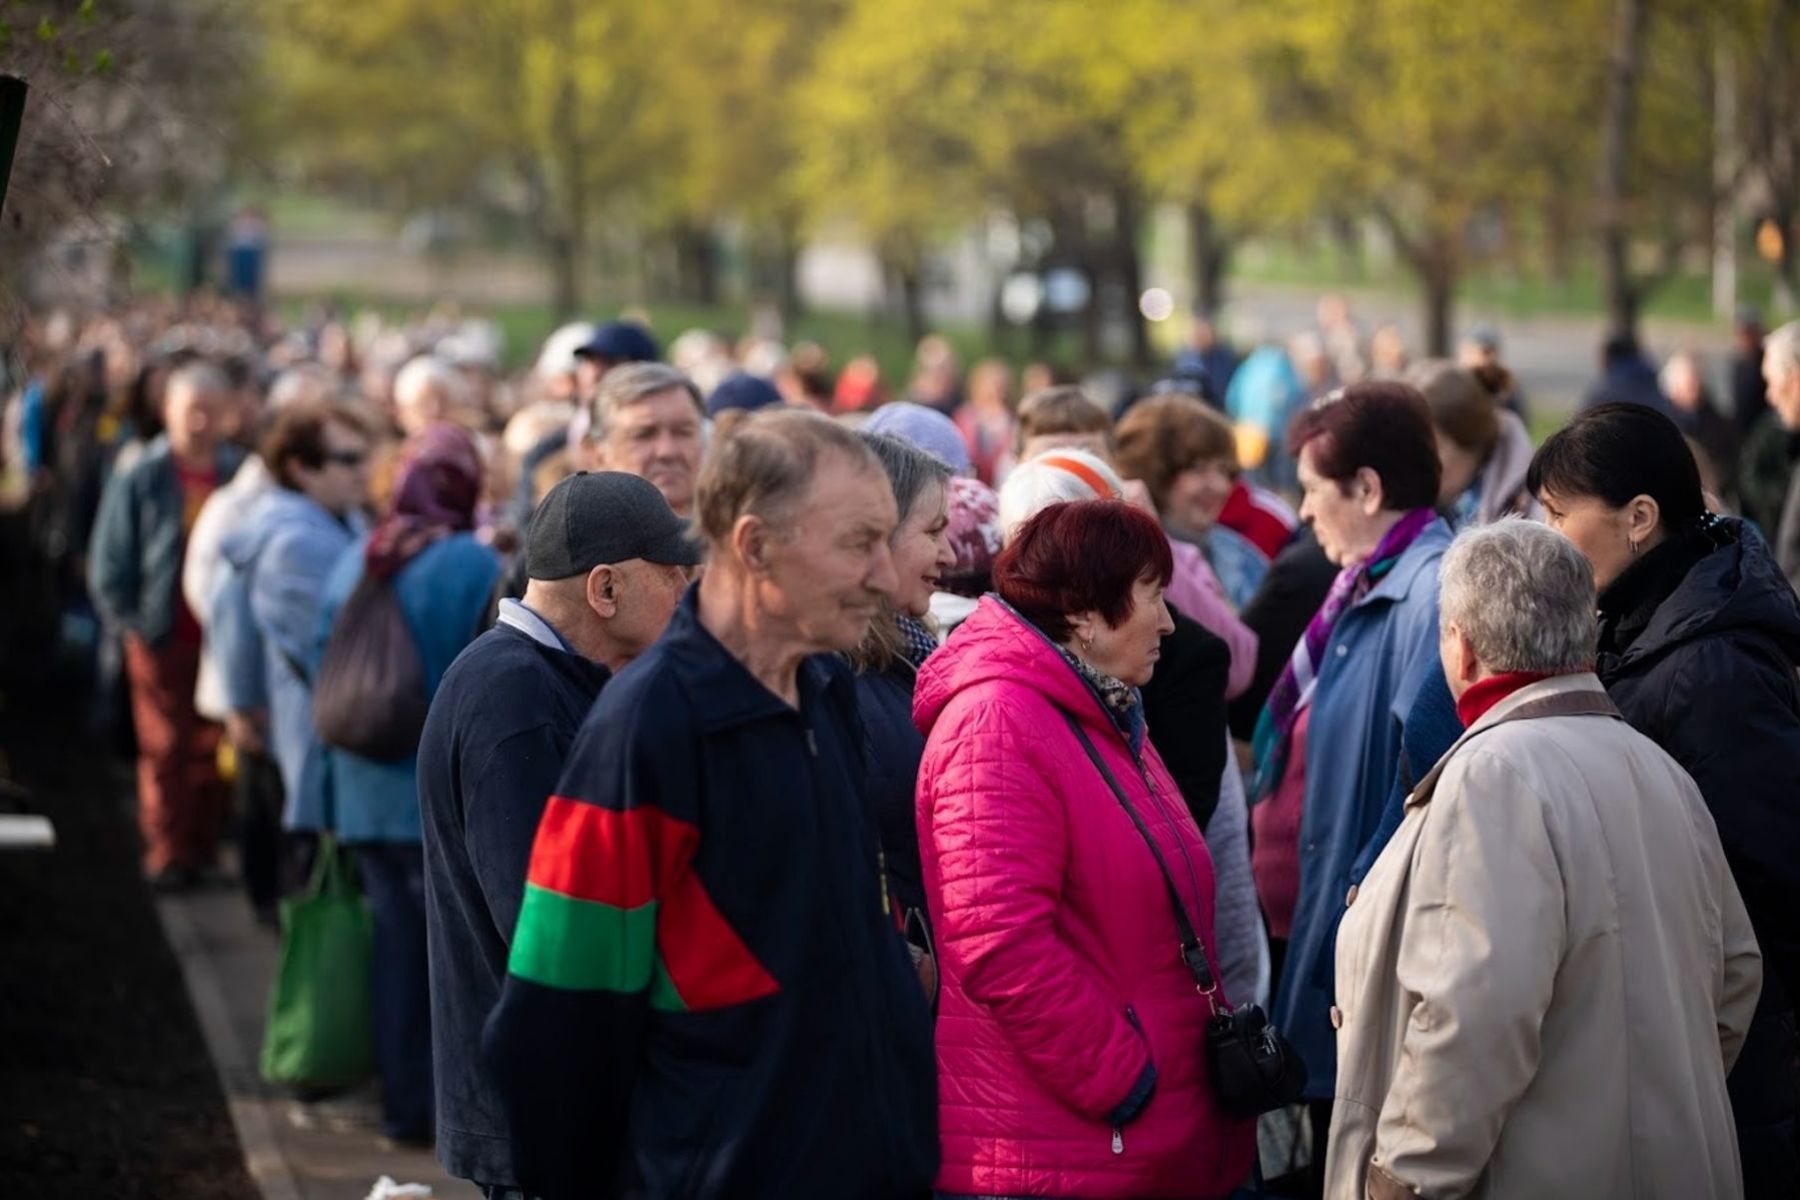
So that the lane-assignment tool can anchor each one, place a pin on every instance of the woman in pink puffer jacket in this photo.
(1069, 1036)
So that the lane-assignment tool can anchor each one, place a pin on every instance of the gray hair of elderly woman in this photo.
(911, 471)
(1523, 596)
(633, 384)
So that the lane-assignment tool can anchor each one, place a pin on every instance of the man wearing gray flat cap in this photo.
(607, 560)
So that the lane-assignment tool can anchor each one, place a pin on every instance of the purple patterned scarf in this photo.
(1293, 690)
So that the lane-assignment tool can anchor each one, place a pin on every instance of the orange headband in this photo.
(1080, 470)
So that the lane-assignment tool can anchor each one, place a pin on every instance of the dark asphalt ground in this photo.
(106, 1089)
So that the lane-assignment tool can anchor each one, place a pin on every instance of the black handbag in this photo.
(1253, 1068)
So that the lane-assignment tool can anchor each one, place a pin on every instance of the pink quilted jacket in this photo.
(1056, 946)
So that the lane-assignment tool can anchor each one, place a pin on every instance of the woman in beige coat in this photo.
(1546, 975)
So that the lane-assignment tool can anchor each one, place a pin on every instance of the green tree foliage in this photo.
(1463, 130)
(538, 106)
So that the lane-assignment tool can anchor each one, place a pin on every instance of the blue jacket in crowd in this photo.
(134, 556)
(1375, 665)
(278, 558)
(446, 593)
(492, 751)
(1266, 392)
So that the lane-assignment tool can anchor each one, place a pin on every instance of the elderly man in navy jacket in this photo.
(706, 996)
(607, 561)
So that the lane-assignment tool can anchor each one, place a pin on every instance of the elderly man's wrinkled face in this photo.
(658, 439)
(830, 567)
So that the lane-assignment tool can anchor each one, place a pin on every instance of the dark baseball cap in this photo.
(595, 517)
(620, 342)
(742, 390)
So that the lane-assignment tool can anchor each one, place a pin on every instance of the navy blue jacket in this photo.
(705, 996)
(892, 748)
(493, 748)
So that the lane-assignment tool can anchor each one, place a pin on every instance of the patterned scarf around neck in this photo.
(916, 640)
(1122, 702)
(1293, 691)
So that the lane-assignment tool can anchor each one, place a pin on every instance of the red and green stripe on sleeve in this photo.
(612, 903)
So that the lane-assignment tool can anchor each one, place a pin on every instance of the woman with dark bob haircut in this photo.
(1329, 744)
(1699, 640)
(1070, 1038)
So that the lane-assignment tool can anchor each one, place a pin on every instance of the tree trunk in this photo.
(1618, 120)
(568, 239)
(565, 275)
(1438, 275)
(696, 263)
(793, 305)
(912, 299)
(1128, 259)
(1558, 243)
(1209, 251)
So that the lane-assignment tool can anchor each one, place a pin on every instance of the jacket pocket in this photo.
(1132, 1106)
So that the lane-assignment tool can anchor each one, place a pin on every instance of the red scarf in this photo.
(1488, 692)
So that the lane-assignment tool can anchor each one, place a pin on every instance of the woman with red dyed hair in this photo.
(1070, 1037)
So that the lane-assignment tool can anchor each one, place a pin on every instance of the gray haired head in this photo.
(911, 471)
(1523, 596)
(633, 384)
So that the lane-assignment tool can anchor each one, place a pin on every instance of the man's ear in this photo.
(1468, 668)
(602, 589)
(751, 541)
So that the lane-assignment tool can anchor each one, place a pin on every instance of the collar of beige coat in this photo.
(1580, 694)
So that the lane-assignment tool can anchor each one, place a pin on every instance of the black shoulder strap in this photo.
(1193, 951)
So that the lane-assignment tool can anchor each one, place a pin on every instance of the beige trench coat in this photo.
(1546, 975)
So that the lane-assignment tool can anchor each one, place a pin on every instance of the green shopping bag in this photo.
(318, 1032)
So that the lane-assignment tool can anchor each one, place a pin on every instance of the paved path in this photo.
(293, 1151)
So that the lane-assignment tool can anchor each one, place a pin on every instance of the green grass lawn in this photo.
(1685, 296)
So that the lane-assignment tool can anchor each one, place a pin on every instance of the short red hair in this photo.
(1383, 426)
(1083, 556)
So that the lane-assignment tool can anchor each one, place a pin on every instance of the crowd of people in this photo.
(761, 785)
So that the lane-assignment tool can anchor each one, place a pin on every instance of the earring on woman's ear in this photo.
(1087, 645)
(1632, 542)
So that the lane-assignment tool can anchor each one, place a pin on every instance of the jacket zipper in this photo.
(1118, 1131)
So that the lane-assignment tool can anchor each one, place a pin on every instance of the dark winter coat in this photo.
(1699, 645)
(892, 749)
(490, 756)
(1184, 712)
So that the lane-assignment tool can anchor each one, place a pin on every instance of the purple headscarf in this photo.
(435, 495)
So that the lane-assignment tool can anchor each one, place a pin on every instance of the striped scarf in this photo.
(1293, 691)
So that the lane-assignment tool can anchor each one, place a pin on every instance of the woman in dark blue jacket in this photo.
(888, 661)
(1699, 640)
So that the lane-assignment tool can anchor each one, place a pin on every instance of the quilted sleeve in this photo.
(999, 828)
